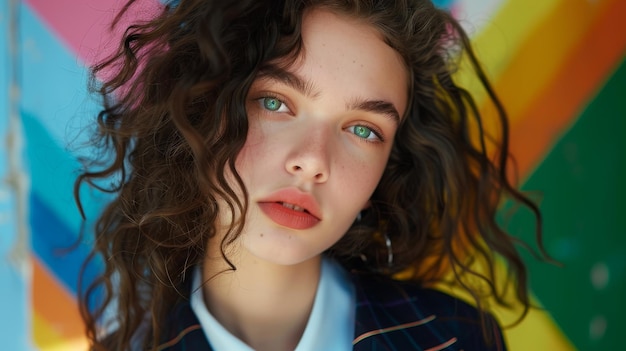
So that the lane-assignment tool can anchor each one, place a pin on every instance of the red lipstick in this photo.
(291, 208)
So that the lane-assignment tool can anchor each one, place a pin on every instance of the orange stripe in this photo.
(539, 58)
(592, 61)
(55, 306)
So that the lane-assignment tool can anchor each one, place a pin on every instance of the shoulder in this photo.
(399, 315)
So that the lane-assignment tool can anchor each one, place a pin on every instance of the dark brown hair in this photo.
(174, 120)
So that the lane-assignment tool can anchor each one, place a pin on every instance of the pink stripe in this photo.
(83, 25)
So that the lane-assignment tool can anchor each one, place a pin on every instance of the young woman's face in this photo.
(320, 133)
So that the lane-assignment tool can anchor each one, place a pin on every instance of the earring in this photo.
(389, 251)
(359, 217)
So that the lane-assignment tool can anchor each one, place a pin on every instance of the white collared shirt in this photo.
(330, 325)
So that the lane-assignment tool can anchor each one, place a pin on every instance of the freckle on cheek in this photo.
(261, 235)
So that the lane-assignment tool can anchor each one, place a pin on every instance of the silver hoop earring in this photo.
(389, 251)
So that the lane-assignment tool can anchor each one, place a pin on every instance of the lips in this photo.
(291, 208)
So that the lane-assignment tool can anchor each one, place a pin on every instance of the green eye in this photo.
(272, 104)
(365, 133)
(362, 132)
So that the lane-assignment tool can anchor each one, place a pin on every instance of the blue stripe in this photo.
(55, 109)
(52, 242)
(53, 171)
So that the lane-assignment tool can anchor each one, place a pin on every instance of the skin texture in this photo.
(310, 141)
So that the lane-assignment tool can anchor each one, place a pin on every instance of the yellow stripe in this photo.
(540, 58)
(525, 45)
(46, 338)
(544, 332)
(498, 41)
(538, 331)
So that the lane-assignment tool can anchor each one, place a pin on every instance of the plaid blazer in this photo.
(390, 315)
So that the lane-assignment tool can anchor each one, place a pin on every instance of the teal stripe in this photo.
(53, 170)
(54, 84)
(56, 109)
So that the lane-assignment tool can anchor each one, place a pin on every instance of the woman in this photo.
(276, 164)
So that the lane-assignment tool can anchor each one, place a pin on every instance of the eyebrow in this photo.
(380, 107)
(308, 89)
(304, 87)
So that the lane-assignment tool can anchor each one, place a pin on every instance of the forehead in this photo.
(347, 57)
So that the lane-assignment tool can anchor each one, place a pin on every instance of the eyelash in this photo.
(376, 131)
(269, 95)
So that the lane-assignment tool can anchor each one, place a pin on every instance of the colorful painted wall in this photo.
(559, 66)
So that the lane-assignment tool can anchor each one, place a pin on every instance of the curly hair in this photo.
(174, 120)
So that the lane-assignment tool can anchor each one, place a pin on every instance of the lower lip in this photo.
(287, 217)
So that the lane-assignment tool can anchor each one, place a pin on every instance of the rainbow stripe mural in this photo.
(558, 65)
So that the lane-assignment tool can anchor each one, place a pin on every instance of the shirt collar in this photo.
(335, 296)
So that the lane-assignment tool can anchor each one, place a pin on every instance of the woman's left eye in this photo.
(273, 104)
(364, 132)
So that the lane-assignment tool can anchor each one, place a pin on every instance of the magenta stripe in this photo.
(82, 25)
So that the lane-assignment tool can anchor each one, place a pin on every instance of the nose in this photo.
(309, 159)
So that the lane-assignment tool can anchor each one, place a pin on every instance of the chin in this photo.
(281, 254)
(286, 257)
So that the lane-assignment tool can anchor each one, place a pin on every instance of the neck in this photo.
(266, 305)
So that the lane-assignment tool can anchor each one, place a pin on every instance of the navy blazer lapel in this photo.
(185, 333)
(392, 315)
(386, 317)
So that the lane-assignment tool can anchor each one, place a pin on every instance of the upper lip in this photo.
(296, 197)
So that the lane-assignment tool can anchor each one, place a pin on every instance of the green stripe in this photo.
(582, 181)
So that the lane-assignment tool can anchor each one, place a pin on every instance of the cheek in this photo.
(250, 148)
(360, 177)
(256, 152)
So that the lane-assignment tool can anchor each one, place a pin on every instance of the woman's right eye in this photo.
(273, 104)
